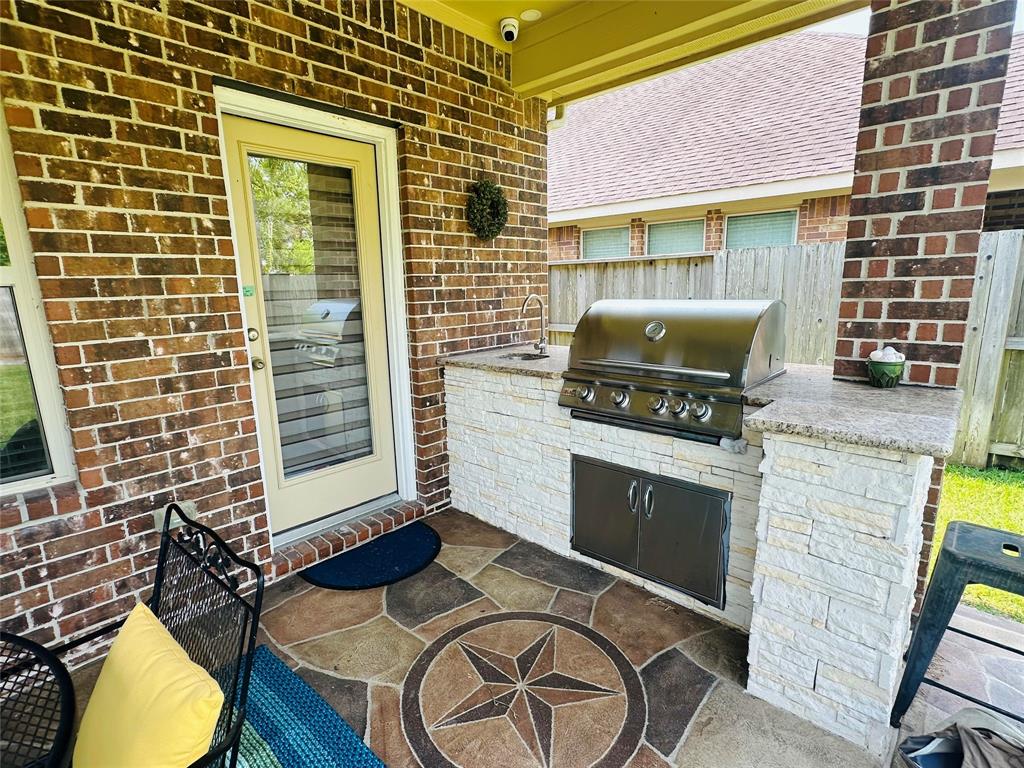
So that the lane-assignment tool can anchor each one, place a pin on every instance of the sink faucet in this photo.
(542, 345)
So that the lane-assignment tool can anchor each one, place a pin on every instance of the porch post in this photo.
(933, 85)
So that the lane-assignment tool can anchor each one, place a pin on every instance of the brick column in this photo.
(933, 85)
(637, 237)
(714, 230)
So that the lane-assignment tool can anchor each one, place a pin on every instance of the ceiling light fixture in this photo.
(531, 14)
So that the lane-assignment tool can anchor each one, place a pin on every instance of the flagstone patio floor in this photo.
(501, 654)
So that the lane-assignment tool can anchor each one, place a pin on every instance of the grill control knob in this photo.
(676, 406)
(585, 393)
(656, 404)
(620, 398)
(700, 411)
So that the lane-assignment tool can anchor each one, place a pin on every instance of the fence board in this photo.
(575, 285)
(807, 278)
(996, 293)
(1007, 434)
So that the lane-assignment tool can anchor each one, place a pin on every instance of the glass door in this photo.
(305, 211)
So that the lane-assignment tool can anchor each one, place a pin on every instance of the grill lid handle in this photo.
(670, 369)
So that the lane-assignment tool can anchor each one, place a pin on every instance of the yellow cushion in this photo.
(151, 707)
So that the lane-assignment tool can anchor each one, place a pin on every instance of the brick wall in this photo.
(1004, 210)
(933, 85)
(563, 243)
(112, 120)
(823, 219)
(931, 512)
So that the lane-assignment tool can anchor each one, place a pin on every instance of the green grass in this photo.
(990, 497)
(16, 403)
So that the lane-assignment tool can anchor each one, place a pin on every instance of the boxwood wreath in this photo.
(487, 209)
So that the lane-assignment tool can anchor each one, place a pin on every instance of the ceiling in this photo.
(580, 47)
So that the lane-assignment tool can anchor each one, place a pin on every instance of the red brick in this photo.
(924, 37)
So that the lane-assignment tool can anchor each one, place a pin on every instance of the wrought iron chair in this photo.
(197, 595)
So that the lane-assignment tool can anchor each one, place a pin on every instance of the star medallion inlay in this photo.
(527, 684)
(525, 689)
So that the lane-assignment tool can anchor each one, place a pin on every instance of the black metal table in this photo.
(37, 705)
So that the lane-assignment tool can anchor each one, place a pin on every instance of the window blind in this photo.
(761, 229)
(675, 237)
(606, 243)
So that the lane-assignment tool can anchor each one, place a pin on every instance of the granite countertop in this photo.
(807, 401)
(551, 367)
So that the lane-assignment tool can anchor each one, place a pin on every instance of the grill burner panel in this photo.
(679, 367)
(674, 410)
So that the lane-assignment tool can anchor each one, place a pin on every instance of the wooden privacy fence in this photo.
(992, 368)
(807, 278)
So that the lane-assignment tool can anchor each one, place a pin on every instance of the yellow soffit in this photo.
(595, 45)
(642, 39)
(470, 25)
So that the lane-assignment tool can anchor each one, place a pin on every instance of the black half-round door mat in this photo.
(385, 560)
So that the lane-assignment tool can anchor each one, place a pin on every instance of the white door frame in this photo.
(279, 112)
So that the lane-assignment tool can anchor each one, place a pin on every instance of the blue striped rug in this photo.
(289, 725)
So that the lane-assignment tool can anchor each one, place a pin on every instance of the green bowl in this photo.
(883, 374)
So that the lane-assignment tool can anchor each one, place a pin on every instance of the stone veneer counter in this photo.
(804, 401)
(498, 360)
(510, 448)
(826, 522)
(807, 401)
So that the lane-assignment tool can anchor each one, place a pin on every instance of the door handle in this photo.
(649, 501)
(258, 364)
(633, 496)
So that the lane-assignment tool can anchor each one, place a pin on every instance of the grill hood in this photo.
(673, 366)
(731, 344)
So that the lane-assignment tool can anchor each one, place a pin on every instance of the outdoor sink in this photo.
(524, 356)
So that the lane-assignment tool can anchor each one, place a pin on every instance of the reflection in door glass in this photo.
(306, 236)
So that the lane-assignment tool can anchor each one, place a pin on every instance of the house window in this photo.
(34, 449)
(675, 237)
(606, 243)
(761, 229)
(23, 451)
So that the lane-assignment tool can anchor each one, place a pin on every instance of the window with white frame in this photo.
(760, 229)
(671, 237)
(611, 243)
(34, 448)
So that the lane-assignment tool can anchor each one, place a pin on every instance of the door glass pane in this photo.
(306, 237)
(23, 451)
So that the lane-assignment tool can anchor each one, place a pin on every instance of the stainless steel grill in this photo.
(677, 367)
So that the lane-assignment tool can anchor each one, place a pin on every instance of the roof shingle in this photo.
(785, 109)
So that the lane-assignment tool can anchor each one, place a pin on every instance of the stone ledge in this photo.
(806, 401)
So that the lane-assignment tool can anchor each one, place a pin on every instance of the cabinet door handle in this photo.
(633, 496)
(649, 501)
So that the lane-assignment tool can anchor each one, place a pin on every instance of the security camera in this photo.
(509, 29)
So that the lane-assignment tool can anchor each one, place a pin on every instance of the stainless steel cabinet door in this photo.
(605, 512)
(681, 534)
